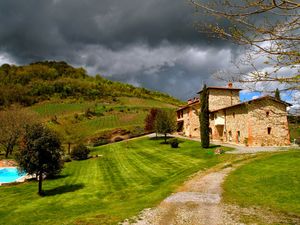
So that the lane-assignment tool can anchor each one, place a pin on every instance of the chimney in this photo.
(230, 85)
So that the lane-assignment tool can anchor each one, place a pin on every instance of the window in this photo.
(267, 113)
(233, 114)
(269, 130)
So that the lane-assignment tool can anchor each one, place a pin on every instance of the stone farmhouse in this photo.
(258, 122)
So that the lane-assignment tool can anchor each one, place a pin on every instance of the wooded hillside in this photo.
(46, 80)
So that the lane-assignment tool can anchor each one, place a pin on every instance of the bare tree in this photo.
(270, 29)
(12, 124)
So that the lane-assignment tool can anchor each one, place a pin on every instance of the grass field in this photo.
(124, 112)
(272, 182)
(131, 176)
(51, 109)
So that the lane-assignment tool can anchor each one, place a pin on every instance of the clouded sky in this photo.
(148, 43)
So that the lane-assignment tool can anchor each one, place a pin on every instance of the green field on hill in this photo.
(130, 176)
(69, 117)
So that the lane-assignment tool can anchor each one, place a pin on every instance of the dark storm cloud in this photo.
(150, 43)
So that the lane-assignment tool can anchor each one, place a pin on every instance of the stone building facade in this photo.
(259, 122)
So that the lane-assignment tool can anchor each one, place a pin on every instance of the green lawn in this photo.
(131, 176)
(273, 181)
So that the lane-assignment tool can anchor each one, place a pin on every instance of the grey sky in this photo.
(149, 43)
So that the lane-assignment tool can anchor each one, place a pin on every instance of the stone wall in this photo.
(264, 115)
(249, 124)
(236, 121)
(220, 98)
(194, 121)
(191, 121)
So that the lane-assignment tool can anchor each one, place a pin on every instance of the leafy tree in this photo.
(40, 153)
(150, 120)
(165, 122)
(12, 124)
(268, 29)
(277, 94)
(80, 152)
(204, 118)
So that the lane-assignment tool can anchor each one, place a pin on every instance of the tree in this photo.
(270, 31)
(150, 120)
(80, 152)
(12, 124)
(165, 122)
(204, 118)
(277, 94)
(40, 153)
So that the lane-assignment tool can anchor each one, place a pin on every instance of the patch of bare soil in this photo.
(7, 163)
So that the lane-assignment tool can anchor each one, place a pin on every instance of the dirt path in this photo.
(198, 201)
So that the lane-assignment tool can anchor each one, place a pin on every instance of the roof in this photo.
(188, 105)
(253, 100)
(222, 88)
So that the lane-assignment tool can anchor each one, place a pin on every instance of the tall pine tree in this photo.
(204, 118)
(277, 94)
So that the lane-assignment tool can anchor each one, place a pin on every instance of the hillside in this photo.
(50, 80)
(78, 106)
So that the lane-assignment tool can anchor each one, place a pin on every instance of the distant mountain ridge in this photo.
(47, 80)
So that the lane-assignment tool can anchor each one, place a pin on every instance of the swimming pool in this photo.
(10, 174)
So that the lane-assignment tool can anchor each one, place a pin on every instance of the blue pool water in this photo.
(10, 174)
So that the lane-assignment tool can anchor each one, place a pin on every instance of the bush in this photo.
(100, 142)
(76, 116)
(89, 113)
(80, 152)
(174, 142)
(67, 158)
(297, 141)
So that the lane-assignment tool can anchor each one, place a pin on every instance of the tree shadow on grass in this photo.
(63, 189)
(56, 177)
(211, 146)
(159, 138)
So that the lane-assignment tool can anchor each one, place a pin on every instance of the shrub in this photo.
(89, 113)
(297, 141)
(117, 139)
(67, 158)
(100, 142)
(174, 142)
(76, 116)
(80, 152)
(100, 114)
(54, 119)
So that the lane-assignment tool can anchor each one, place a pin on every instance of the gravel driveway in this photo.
(198, 201)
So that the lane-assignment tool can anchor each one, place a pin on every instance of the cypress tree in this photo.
(277, 94)
(204, 118)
